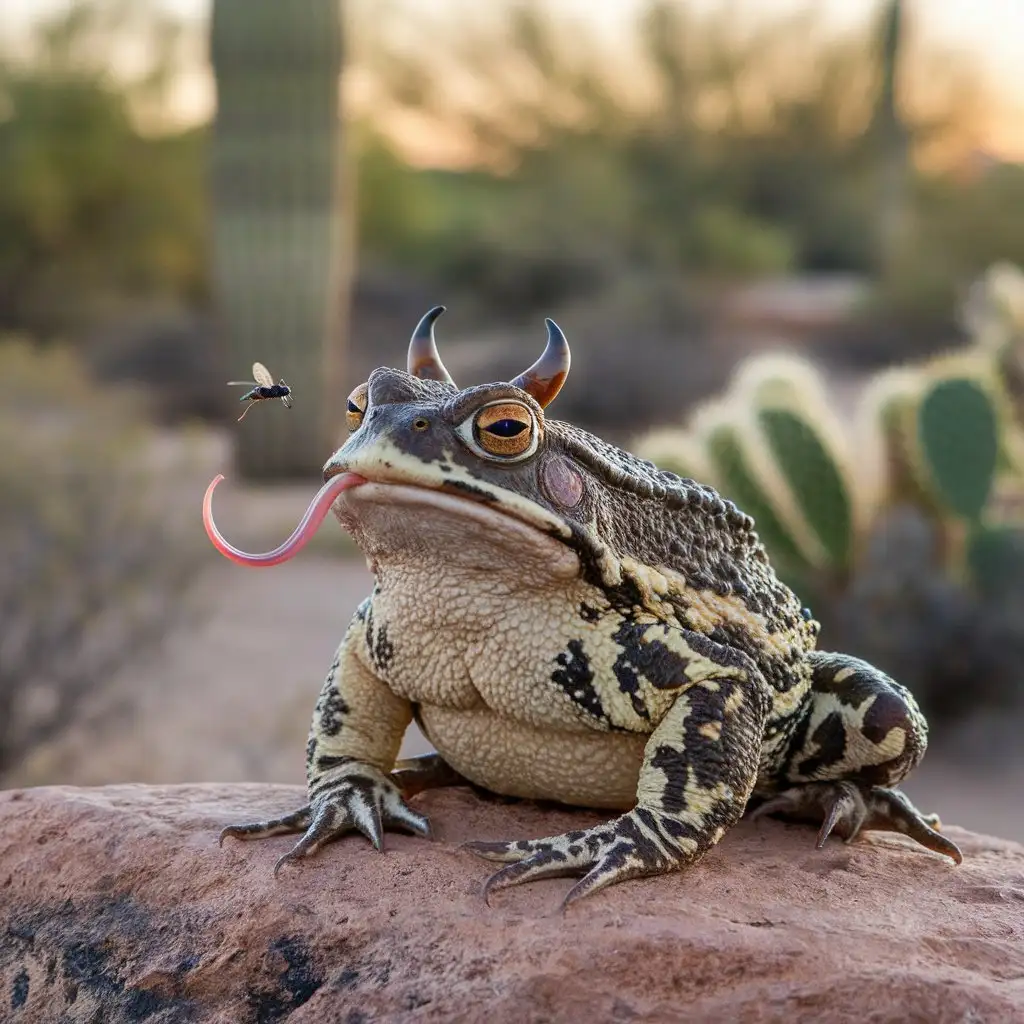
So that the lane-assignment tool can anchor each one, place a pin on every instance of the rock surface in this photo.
(117, 905)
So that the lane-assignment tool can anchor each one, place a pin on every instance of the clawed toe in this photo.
(297, 821)
(359, 799)
(505, 852)
(846, 809)
(892, 811)
(629, 847)
(542, 864)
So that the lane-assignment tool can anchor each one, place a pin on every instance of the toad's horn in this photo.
(545, 378)
(423, 358)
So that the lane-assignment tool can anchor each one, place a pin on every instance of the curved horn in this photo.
(423, 358)
(545, 378)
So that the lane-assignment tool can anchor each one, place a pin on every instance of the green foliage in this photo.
(94, 215)
(706, 153)
(958, 436)
(98, 546)
(726, 147)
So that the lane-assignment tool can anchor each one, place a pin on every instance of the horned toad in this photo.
(567, 622)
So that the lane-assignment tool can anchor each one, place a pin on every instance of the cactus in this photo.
(884, 425)
(735, 477)
(815, 479)
(892, 142)
(278, 259)
(798, 448)
(994, 317)
(994, 311)
(958, 443)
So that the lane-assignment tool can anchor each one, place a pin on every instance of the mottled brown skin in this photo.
(574, 624)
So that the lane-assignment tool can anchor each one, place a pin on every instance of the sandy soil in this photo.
(229, 695)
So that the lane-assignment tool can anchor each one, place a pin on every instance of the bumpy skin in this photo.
(579, 626)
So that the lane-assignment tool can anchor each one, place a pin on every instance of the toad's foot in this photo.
(848, 809)
(428, 771)
(641, 842)
(351, 796)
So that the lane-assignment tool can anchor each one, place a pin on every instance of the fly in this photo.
(263, 387)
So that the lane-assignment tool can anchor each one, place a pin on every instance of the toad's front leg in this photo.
(357, 729)
(699, 768)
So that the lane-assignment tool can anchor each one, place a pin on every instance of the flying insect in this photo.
(263, 387)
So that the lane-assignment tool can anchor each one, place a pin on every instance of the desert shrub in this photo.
(97, 547)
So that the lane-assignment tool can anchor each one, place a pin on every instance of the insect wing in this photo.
(244, 383)
(262, 375)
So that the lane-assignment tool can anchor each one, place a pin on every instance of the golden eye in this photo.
(356, 408)
(505, 429)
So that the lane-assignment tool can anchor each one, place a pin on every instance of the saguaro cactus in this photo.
(891, 139)
(279, 244)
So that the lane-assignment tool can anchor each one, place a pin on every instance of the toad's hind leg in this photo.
(857, 735)
(699, 768)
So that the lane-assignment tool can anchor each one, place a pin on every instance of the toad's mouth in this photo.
(369, 508)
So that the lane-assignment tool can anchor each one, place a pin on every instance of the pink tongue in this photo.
(318, 508)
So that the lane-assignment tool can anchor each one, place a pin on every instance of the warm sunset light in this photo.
(623, 402)
(986, 34)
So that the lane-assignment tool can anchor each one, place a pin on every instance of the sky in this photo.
(992, 31)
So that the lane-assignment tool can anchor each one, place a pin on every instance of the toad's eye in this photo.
(356, 408)
(501, 430)
(507, 428)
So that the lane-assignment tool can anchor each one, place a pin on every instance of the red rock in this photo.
(117, 905)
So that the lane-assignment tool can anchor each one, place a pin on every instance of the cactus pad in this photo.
(737, 482)
(815, 478)
(958, 438)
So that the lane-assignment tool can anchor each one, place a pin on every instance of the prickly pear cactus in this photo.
(994, 317)
(815, 479)
(733, 474)
(958, 443)
(798, 446)
(884, 429)
(279, 257)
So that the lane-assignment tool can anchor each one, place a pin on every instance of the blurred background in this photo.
(783, 239)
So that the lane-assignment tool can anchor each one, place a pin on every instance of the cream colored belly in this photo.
(591, 769)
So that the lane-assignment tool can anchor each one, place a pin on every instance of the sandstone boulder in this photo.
(117, 905)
